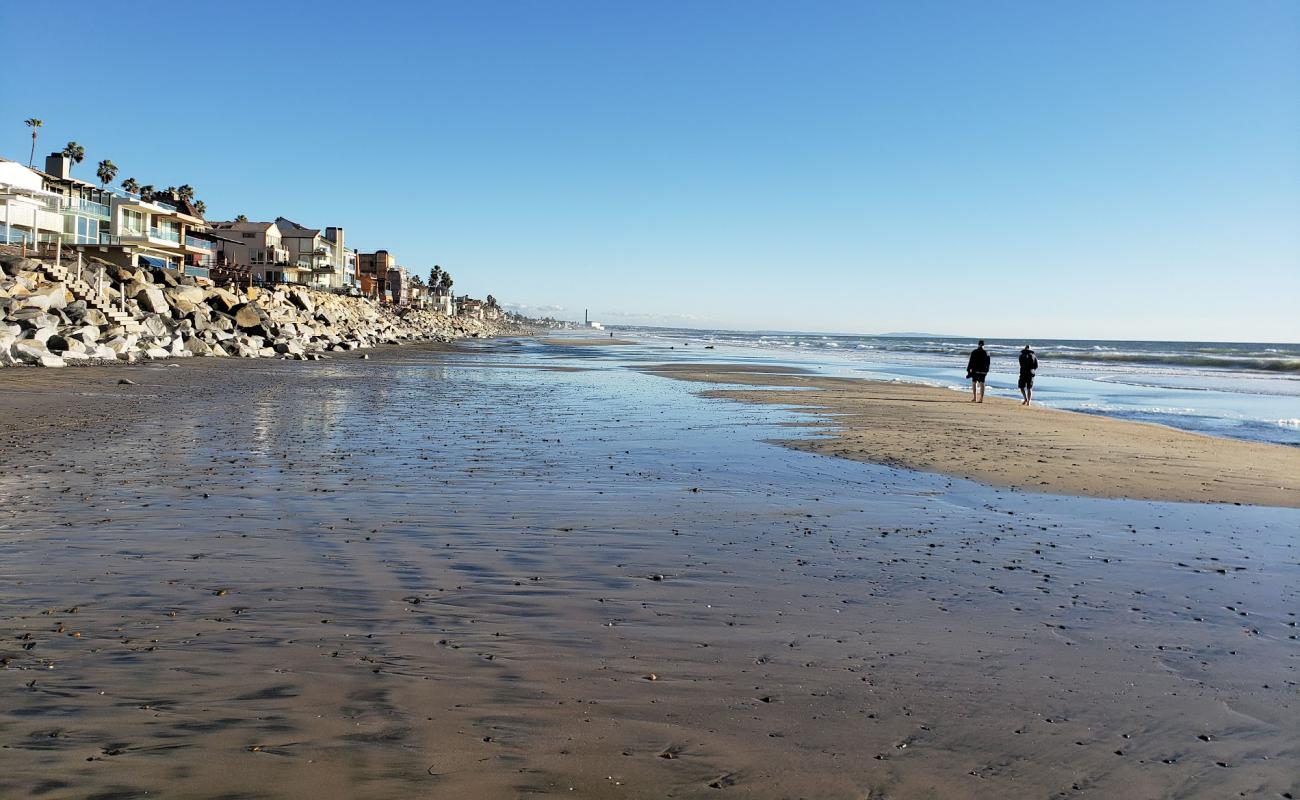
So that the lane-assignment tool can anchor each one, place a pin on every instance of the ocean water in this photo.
(1240, 390)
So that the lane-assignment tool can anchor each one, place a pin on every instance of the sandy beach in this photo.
(1003, 443)
(437, 574)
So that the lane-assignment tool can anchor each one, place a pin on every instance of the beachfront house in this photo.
(84, 206)
(372, 272)
(253, 246)
(320, 259)
(342, 261)
(29, 213)
(162, 231)
(398, 286)
(467, 306)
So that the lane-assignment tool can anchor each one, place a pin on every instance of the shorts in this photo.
(1026, 381)
(978, 377)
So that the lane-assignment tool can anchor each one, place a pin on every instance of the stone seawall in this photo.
(50, 317)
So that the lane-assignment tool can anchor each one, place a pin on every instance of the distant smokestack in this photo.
(585, 318)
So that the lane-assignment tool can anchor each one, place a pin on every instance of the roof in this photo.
(244, 225)
(292, 229)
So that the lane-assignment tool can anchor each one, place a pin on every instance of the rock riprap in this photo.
(142, 314)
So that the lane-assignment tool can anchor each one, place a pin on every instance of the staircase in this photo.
(85, 292)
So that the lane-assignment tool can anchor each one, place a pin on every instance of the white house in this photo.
(28, 212)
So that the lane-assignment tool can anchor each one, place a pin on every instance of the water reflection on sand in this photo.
(452, 574)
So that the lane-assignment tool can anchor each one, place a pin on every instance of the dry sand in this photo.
(1002, 443)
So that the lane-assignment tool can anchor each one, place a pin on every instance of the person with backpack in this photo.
(1028, 366)
(977, 369)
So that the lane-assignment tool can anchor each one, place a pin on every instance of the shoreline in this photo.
(1002, 443)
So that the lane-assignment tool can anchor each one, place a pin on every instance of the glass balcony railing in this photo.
(165, 234)
(81, 205)
(200, 244)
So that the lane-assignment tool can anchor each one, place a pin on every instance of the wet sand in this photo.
(1003, 443)
(412, 577)
(584, 341)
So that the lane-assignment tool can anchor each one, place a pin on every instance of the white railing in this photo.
(84, 206)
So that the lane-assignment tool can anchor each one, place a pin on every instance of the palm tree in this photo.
(75, 152)
(107, 172)
(491, 301)
(434, 275)
(131, 185)
(201, 207)
(445, 282)
(241, 218)
(33, 123)
(146, 191)
(186, 192)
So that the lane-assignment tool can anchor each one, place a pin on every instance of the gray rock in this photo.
(29, 351)
(152, 299)
(93, 316)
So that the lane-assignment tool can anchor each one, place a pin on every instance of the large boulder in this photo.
(165, 277)
(94, 316)
(222, 299)
(253, 318)
(192, 294)
(46, 297)
(302, 299)
(154, 326)
(32, 351)
(151, 299)
(197, 346)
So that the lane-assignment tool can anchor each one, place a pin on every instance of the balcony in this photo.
(165, 235)
(200, 244)
(80, 205)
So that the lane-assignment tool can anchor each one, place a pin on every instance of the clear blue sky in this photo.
(1026, 169)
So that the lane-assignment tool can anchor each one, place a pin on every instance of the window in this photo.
(132, 222)
(247, 235)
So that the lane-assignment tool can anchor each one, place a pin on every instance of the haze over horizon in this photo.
(1012, 170)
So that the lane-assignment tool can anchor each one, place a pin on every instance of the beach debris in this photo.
(126, 382)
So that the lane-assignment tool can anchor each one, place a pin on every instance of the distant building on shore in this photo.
(284, 251)
(256, 246)
(372, 272)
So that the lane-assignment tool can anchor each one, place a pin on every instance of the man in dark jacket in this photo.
(1028, 366)
(977, 369)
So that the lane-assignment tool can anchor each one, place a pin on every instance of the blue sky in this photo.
(1028, 169)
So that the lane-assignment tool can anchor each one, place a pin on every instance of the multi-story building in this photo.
(86, 207)
(255, 246)
(162, 231)
(397, 288)
(29, 213)
(372, 272)
(342, 261)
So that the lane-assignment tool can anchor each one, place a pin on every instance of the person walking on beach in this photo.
(977, 369)
(1028, 366)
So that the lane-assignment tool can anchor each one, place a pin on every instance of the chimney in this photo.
(58, 165)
